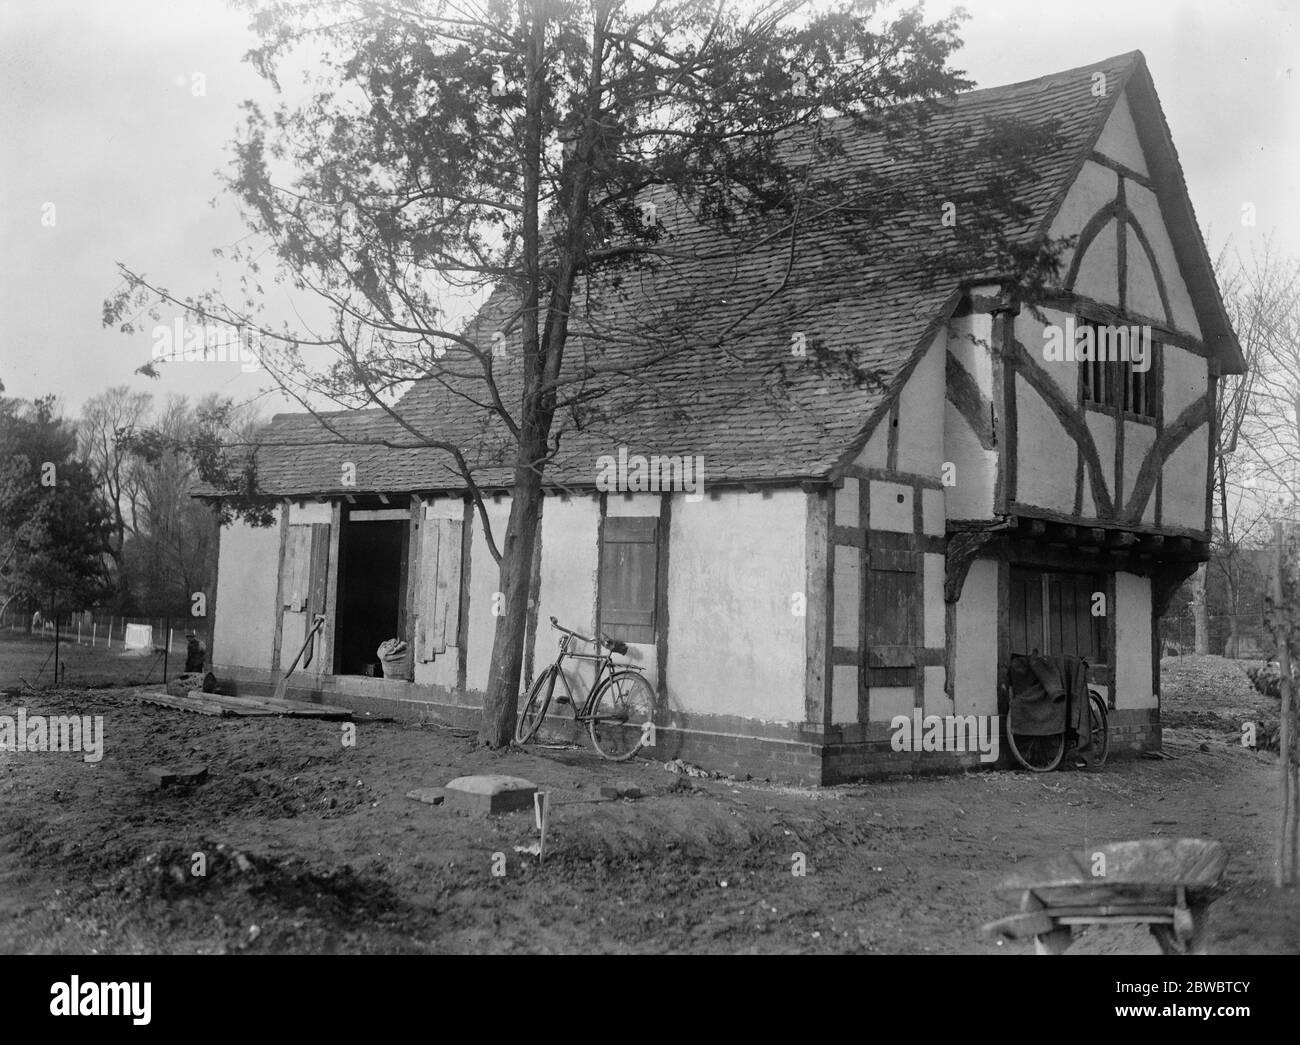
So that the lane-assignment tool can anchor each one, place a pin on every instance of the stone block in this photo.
(433, 796)
(490, 793)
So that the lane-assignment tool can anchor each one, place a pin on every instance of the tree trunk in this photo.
(1200, 612)
(500, 704)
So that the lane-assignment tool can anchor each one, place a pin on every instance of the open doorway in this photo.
(373, 552)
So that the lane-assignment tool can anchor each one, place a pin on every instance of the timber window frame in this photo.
(1110, 386)
(629, 566)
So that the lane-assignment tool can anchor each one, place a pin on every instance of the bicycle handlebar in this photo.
(613, 645)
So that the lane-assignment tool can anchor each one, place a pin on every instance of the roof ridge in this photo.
(1131, 59)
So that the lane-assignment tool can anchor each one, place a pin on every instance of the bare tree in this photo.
(104, 418)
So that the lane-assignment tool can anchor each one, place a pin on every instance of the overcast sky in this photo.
(99, 116)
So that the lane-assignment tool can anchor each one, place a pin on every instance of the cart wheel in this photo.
(1100, 729)
(1037, 754)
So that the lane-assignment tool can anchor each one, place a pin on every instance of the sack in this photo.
(393, 658)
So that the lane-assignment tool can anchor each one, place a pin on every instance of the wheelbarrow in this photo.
(1166, 884)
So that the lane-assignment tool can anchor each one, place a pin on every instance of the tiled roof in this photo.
(750, 408)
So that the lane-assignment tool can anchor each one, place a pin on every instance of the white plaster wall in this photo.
(1092, 189)
(1119, 138)
(1146, 209)
(876, 453)
(974, 468)
(920, 440)
(975, 665)
(932, 512)
(1098, 275)
(303, 513)
(1183, 502)
(1102, 427)
(1186, 380)
(1031, 332)
(970, 341)
(844, 694)
(847, 503)
(887, 701)
(1133, 642)
(848, 595)
(891, 506)
(1143, 292)
(936, 700)
(247, 576)
(735, 647)
(932, 585)
(1045, 454)
(1138, 440)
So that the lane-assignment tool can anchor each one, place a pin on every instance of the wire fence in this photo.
(108, 631)
(91, 650)
(1248, 640)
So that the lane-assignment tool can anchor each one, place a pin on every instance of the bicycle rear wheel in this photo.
(539, 699)
(1039, 754)
(621, 709)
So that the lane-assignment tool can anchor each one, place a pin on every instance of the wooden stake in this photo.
(542, 807)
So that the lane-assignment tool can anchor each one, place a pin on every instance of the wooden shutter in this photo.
(891, 605)
(295, 570)
(629, 557)
(437, 623)
(318, 560)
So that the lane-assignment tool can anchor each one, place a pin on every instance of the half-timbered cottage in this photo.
(857, 552)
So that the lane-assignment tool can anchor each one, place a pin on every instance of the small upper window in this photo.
(1118, 367)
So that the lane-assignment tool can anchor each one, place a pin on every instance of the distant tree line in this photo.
(98, 511)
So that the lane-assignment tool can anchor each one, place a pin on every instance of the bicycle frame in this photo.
(605, 667)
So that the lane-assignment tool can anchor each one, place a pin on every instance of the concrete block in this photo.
(490, 793)
(433, 796)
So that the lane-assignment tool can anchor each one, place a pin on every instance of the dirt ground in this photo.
(311, 846)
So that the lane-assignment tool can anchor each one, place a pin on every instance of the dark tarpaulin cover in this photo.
(1039, 688)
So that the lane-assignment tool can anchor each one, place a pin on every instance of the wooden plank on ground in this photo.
(222, 705)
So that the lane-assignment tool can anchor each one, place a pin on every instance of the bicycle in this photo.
(619, 710)
(1042, 754)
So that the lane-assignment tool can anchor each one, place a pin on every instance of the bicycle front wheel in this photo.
(1100, 729)
(539, 699)
(621, 711)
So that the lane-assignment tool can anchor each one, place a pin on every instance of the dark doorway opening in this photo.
(373, 545)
